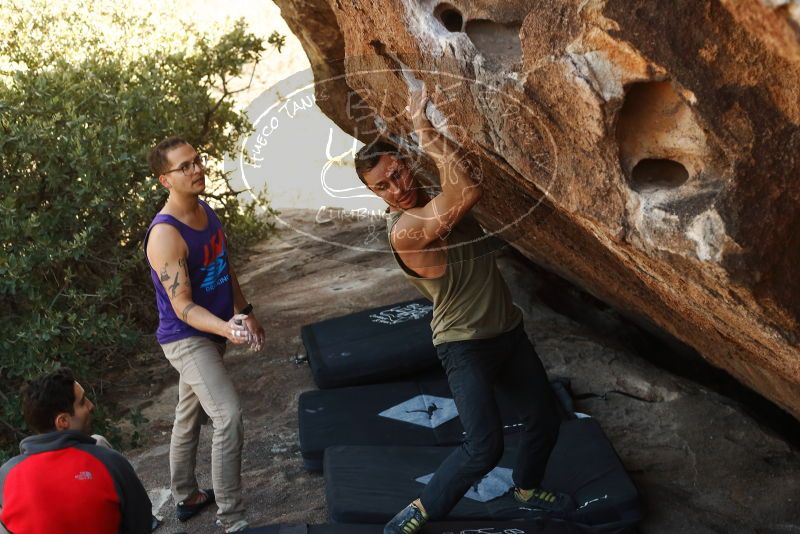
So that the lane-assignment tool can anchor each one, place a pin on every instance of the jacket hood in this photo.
(52, 441)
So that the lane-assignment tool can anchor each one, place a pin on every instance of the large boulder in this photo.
(647, 150)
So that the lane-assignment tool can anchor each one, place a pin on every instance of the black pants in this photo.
(476, 371)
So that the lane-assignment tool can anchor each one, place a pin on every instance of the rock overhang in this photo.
(651, 159)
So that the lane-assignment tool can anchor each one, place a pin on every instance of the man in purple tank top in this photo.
(200, 306)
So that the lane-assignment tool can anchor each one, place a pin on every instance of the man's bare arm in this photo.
(252, 323)
(419, 227)
(239, 301)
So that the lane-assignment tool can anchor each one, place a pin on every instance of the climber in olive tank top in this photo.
(477, 330)
(470, 299)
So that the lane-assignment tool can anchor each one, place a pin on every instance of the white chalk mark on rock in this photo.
(159, 498)
(707, 230)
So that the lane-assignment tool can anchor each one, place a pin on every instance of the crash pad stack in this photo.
(384, 419)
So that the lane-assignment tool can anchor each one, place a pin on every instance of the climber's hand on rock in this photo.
(430, 140)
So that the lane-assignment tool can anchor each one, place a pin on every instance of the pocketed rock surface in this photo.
(701, 463)
(656, 139)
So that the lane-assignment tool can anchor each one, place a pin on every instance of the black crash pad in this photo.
(420, 413)
(375, 345)
(370, 484)
(541, 526)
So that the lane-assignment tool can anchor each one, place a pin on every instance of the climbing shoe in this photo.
(548, 501)
(408, 521)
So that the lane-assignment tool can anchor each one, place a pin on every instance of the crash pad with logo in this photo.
(368, 484)
(418, 413)
(379, 344)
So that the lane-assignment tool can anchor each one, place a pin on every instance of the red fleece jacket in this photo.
(63, 483)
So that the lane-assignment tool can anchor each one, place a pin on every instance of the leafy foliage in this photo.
(277, 40)
(82, 99)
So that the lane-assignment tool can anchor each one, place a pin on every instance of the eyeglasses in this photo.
(187, 167)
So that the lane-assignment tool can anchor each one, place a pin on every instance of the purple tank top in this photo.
(208, 273)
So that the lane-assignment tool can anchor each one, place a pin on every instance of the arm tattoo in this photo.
(182, 263)
(186, 310)
(175, 285)
(164, 274)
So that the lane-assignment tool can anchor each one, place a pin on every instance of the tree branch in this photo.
(18, 433)
(210, 112)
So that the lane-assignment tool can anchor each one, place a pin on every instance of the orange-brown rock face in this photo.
(647, 150)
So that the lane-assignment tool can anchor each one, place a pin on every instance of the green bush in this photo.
(79, 109)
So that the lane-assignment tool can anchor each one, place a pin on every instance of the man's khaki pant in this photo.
(205, 388)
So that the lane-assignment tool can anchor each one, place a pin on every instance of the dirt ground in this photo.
(701, 463)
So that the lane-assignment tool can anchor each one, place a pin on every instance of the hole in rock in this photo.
(450, 17)
(658, 173)
(661, 144)
(498, 42)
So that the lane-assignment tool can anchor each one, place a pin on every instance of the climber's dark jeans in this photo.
(476, 371)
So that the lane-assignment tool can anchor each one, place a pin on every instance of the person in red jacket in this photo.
(64, 481)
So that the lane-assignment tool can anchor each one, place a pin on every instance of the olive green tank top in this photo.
(471, 299)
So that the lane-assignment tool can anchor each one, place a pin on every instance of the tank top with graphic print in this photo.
(210, 278)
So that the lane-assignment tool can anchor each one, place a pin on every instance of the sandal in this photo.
(188, 511)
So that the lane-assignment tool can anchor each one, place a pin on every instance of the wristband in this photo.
(247, 310)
